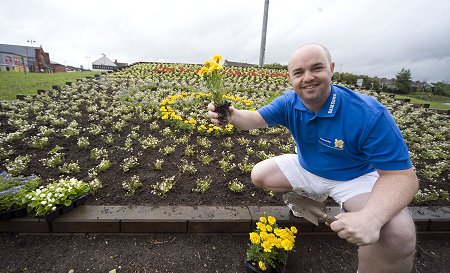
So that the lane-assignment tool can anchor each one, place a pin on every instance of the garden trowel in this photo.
(307, 208)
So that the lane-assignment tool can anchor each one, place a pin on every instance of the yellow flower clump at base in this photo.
(270, 243)
(169, 114)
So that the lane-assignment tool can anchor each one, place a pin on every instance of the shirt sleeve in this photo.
(384, 144)
(274, 113)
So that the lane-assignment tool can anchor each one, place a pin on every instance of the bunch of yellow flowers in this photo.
(270, 243)
(211, 73)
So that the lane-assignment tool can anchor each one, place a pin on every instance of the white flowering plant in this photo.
(46, 199)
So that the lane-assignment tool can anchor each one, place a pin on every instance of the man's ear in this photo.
(332, 68)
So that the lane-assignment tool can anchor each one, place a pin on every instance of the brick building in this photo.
(20, 58)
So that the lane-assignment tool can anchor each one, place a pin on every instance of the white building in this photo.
(104, 64)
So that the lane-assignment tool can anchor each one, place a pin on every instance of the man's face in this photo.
(310, 73)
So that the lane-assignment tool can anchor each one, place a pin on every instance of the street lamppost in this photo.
(28, 54)
(340, 72)
(262, 51)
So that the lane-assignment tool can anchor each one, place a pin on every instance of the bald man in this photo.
(349, 148)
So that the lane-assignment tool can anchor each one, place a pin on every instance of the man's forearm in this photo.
(393, 191)
(246, 120)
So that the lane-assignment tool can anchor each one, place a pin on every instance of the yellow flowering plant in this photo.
(211, 71)
(269, 244)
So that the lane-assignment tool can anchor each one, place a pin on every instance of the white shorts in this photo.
(320, 188)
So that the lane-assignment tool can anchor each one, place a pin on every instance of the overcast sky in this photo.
(375, 38)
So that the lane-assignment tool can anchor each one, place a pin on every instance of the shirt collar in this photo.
(329, 108)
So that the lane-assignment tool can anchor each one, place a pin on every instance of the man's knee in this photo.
(399, 235)
(266, 174)
(258, 175)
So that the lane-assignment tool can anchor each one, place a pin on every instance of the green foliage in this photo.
(161, 188)
(275, 66)
(431, 194)
(70, 168)
(271, 96)
(158, 164)
(403, 81)
(236, 186)
(202, 184)
(368, 82)
(46, 199)
(442, 88)
(18, 165)
(132, 185)
(13, 191)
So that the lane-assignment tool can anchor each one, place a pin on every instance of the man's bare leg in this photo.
(394, 251)
(266, 174)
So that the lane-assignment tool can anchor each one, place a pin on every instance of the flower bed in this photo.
(141, 136)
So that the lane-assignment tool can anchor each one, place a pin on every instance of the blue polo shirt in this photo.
(353, 134)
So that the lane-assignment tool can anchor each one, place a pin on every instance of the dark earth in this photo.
(180, 253)
(219, 194)
(176, 252)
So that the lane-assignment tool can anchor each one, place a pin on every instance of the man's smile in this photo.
(310, 86)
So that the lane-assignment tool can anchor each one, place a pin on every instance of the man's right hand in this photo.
(240, 119)
(214, 116)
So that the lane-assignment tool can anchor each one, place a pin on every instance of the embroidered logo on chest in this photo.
(338, 144)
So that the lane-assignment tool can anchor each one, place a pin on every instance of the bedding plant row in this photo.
(141, 136)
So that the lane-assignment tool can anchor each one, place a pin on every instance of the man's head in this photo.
(310, 70)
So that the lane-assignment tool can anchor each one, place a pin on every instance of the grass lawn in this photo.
(435, 101)
(13, 83)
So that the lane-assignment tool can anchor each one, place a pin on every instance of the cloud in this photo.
(365, 37)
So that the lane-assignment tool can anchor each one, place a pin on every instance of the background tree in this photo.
(403, 81)
(442, 88)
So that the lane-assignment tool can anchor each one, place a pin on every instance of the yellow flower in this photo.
(262, 265)
(267, 246)
(263, 235)
(287, 244)
(261, 226)
(213, 67)
(269, 228)
(217, 58)
(202, 71)
(192, 121)
(272, 220)
(263, 219)
(208, 64)
(277, 243)
(254, 238)
(294, 230)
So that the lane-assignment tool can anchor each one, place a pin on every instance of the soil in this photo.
(222, 111)
(174, 252)
(112, 179)
(187, 253)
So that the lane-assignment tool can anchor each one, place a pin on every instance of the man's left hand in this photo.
(357, 228)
